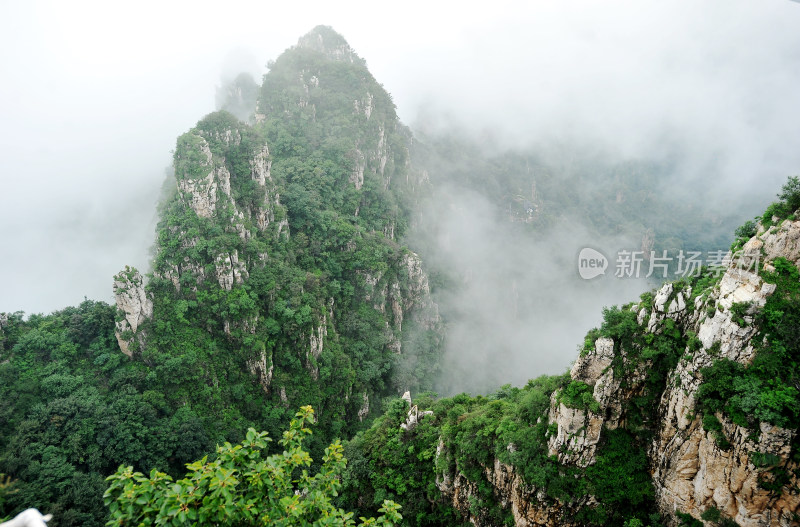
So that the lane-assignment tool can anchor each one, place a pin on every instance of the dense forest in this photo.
(296, 266)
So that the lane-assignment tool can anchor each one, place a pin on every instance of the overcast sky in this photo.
(94, 94)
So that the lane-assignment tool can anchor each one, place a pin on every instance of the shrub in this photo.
(241, 487)
(747, 230)
(619, 479)
(711, 514)
(762, 460)
(777, 209)
(744, 233)
(588, 342)
(738, 312)
(789, 202)
(687, 520)
(790, 193)
(578, 395)
(713, 425)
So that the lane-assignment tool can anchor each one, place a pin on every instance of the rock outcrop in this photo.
(262, 368)
(753, 480)
(403, 293)
(691, 472)
(200, 193)
(528, 506)
(417, 293)
(414, 414)
(363, 412)
(316, 344)
(230, 270)
(135, 307)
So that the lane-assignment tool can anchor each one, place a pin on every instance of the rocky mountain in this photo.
(747, 473)
(280, 278)
(682, 409)
(277, 254)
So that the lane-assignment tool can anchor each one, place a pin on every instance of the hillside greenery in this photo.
(315, 265)
(321, 255)
(242, 486)
(511, 426)
(72, 408)
(466, 435)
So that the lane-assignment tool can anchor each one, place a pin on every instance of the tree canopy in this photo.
(242, 486)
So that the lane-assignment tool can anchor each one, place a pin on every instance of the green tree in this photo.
(790, 193)
(242, 487)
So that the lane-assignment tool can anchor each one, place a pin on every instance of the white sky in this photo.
(94, 94)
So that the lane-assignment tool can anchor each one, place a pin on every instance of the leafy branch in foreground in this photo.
(242, 487)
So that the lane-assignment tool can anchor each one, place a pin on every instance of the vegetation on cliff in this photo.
(280, 279)
(454, 455)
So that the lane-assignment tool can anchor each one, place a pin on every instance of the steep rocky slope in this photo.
(691, 472)
(278, 280)
(681, 409)
(277, 253)
(748, 474)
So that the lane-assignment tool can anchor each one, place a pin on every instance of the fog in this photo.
(707, 89)
(519, 308)
(93, 97)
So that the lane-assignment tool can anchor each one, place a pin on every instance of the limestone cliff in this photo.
(406, 293)
(744, 474)
(277, 253)
(134, 306)
(691, 472)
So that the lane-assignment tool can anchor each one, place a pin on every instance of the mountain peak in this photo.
(327, 41)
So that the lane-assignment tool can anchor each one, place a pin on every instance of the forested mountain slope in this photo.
(278, 281)
(681, 407)
(282, 277)
(277, 254)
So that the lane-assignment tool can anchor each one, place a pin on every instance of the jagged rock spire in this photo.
(325, 40)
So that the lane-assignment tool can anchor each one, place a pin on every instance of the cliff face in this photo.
(134, 308)
(691, 472)
(277, 251)
(747, 474)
